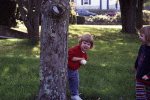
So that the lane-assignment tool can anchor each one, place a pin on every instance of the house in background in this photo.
(96, 4)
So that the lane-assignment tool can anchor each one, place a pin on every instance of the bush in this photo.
(118, 17)
(80, 19)
(105, 20)
(146, 17)
(100, 18)
(72, 16)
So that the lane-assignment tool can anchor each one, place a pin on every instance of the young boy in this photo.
(75, 55)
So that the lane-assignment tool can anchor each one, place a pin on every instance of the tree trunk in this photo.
(139, 14)
(31, 17)
(128, 17)
(54, 50)
(124, 10)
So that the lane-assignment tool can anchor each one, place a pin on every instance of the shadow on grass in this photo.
(99, 82)
(19, 47)
(109, 73)
(19, 72)
(19, 78)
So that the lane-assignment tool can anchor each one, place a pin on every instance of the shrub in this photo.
(74, 19)
(146, 16)
(80, 19)
(72, 16)
(118, 17)
(100, 19)
(104, 19)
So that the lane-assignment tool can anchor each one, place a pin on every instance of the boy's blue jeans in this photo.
(73, 80)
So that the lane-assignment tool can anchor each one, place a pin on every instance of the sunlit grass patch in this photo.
(108, 74)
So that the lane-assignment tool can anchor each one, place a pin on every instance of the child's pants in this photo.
(141, 94)
(73, 80)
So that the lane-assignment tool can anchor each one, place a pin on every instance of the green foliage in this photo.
(146, 2)
(100, 18)
(118, 17)
(80, 19)
(105, 19)
(146, 17)
(72, 16)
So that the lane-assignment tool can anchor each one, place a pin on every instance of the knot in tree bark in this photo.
(57, 10)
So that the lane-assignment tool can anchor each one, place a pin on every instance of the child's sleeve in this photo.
(148, 66)
(136, 62)
(148, 75)
(71, 54)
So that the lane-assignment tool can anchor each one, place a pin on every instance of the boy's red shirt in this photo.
(75, 52)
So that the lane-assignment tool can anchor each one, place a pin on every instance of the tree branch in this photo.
(23, 16)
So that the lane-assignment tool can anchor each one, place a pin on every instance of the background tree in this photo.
(7, 9)
(132, 15)
(128, 15)
(54, 50)
(30, 11)
(139, 14)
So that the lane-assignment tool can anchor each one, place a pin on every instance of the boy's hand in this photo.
(82, 59)
(77, 59)
(83, 62)
(145, 77)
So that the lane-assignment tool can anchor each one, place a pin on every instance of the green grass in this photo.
(19, 71)
(108, 74)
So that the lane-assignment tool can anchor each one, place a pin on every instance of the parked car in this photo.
(85, 13)
(111, 14)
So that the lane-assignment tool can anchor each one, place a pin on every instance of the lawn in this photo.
(108, 74)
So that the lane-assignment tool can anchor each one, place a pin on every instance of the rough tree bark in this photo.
(31, 17)
(139, 14)
(54, 50)
(128, 15)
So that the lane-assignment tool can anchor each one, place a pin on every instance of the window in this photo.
(86, 2)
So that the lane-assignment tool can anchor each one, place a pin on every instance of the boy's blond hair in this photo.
(146, 31)
(87, 38)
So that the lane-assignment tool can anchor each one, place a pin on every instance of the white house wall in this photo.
(112, 5)
(95, 4)
(104, 4)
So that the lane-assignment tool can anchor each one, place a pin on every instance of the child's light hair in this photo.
(87, 38)
(146, 31)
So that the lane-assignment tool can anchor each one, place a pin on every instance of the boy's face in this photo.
(142, 38)
(85, 45)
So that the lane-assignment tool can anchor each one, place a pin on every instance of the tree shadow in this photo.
(20, 46)
(116, 48)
